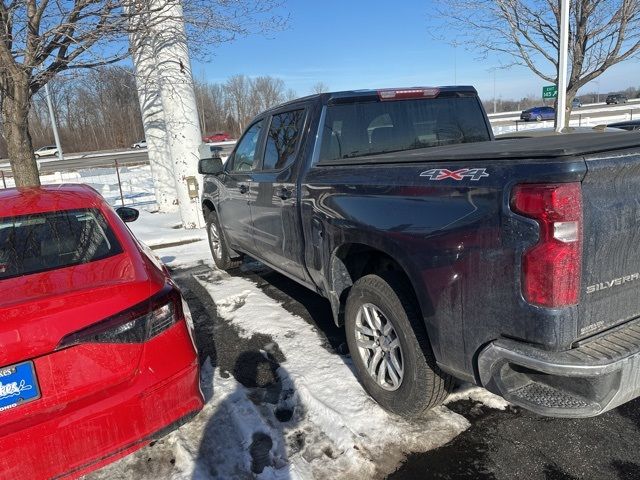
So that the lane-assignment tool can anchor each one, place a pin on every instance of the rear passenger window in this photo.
(282, 140)
(48, 241)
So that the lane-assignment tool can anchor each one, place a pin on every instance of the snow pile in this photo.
(333, 430)
(477, 394)
(158, 229)
(331, 406)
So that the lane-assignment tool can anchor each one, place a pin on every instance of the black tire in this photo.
(219, 251)
(423, 385)
(538, 118)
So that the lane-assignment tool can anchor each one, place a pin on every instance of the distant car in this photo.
(616, 99)
(628, 125)
(140, 144)
(538, 114)
(47, 151)
(576, 103)
(97, 356)
(217, 137)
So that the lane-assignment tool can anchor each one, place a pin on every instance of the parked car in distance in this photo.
(576, 103)
(398, 205)
(628, 125)
(616, 98)
(46, 151)
(217, 137)
(538, 114)
(97, 356)
(140, 144)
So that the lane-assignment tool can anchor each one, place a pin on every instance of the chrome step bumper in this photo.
(599, 374)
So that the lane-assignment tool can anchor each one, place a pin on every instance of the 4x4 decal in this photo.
(473, 174)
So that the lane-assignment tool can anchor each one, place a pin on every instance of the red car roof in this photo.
(25, 201)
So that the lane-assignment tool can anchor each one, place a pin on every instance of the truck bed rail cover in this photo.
(556, 146)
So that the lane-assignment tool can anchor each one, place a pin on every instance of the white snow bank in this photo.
(157, 229)
(338, 414)
(336, 431)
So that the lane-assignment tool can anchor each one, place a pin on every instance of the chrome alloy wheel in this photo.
(214, 237)
(379, 347)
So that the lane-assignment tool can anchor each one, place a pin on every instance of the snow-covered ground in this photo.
(161, 229)
(586, 108)
(585, 121)
(136, 181)
(336, 430)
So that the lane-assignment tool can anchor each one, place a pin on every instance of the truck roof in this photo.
(347, 95)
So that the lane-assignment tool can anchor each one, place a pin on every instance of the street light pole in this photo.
(52, 116)
(455, 63)
(561, 114)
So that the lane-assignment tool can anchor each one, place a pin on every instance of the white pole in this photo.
(155, 129)
(495, 109)
(561, 114)
(455, 63)
(54, 126)
(180, 108)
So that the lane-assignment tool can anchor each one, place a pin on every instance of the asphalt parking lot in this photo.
(499, 444)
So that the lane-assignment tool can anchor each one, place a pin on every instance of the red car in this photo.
(217, 137)
(96, 357)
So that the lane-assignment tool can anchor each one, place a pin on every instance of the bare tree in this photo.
(247, 97)
(238, 90)
(320, 87)
(602, 34)
(268, 92)
(39, 39)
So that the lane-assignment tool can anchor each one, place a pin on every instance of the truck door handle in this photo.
(284, 193)
(243, 188)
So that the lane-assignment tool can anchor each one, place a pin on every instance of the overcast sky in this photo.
(354, 44)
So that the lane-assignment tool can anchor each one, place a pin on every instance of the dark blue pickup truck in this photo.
(446, 254)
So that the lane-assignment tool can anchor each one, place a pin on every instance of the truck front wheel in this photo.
(218, 245)
(389, 347)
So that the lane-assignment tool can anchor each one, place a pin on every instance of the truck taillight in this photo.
(552, 268)
(134, 325)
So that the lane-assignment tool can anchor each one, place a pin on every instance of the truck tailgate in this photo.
(611, 255)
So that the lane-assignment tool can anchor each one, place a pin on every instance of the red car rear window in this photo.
(48, 241)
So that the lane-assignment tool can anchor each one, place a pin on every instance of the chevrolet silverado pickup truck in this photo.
(445, 254)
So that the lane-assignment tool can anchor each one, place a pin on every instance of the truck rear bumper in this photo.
(598, 375)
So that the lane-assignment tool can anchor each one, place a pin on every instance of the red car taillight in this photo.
(552, 269)
(134, 325)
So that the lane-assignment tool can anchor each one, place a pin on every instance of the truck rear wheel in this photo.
(389, 347)
(218, 245)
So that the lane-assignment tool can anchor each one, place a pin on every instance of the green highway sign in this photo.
(550, 91)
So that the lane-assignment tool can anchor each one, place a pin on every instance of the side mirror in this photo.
(128, 214)
(210, 166)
